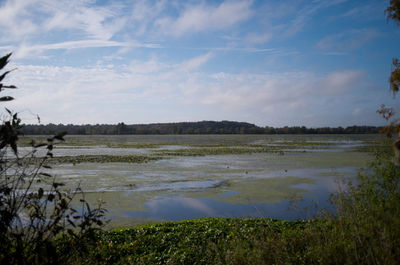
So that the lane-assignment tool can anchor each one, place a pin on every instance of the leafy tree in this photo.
(389, 113)
(38, 223)
(393, 11)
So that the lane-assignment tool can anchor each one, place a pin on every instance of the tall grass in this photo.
(364, 230)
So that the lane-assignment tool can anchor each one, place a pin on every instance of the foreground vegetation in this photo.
(201, 241)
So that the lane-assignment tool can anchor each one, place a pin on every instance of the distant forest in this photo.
(202, 127)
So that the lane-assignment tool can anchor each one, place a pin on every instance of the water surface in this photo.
(306, 171)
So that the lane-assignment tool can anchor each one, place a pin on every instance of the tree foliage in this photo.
(202, 127)
(393, 11)
(395, 76)
(390, 113)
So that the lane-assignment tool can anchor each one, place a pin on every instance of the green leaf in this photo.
(50, 197)
(4, 75)
(60, 136)
(39, 145)
(4, 60)
(57, 184)
(71, 223)
(40, 193)
(14, 147)
(6, 98)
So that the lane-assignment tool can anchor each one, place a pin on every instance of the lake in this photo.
(146, 178)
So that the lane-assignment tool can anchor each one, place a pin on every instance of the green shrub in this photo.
(366, 228)
(38, 226)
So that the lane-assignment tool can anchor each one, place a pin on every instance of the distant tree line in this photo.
(202, 127)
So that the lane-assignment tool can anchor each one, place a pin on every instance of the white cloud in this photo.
(295, 14)
(347, 41)
(22, 19)
(147, 67)
(196, 62)
(144, 14)
(340, 82)
(154, 91)
(96, 22)
(204, 17)
(258, 38)
(172, 84)
(366, 11)
(26, 51)
(262, 91)
(16, 20)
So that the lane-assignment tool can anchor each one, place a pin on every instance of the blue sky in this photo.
(272, 63)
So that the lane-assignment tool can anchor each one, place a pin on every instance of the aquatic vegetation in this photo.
(104, 159)
(198, 241)
(215, 151)
(154, 141)
(255, 190)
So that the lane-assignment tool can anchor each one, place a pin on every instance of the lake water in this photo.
(194, 176)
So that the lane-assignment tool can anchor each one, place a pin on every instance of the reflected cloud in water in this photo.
(183, 203)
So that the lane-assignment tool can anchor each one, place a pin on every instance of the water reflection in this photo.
(175, 208)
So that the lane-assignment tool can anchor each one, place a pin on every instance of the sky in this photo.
(272, 63)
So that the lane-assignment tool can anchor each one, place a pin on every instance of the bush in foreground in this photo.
(38, 223)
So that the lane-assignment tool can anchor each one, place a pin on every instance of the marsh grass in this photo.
(104, 159)
(156, 148)
(202, 151)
